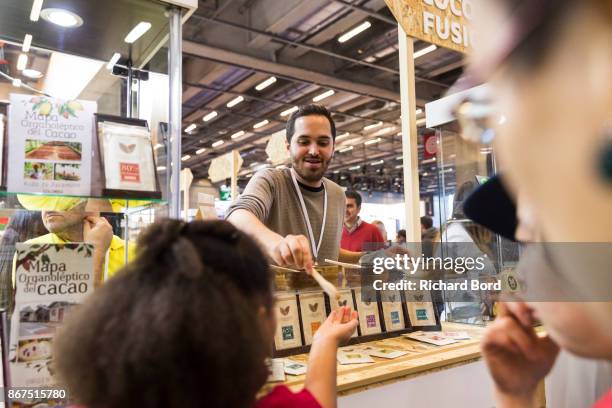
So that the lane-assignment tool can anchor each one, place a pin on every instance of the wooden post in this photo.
(235, 167)
(409, 136)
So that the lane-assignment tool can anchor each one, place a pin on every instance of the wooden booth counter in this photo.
(428, 375)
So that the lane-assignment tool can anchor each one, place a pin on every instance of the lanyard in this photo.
(315, 247)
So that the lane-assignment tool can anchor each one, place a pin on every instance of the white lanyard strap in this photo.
(315, 247)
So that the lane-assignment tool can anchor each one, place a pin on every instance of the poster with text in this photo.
(51, 280)
(50, 145)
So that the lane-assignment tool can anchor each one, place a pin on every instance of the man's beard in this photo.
(309, 175)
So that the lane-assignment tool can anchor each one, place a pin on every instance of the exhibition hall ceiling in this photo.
(248, 62)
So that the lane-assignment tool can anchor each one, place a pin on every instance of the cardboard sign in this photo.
(49, 145)
(441, 22)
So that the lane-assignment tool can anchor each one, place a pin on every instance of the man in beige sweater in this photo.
(295, 213)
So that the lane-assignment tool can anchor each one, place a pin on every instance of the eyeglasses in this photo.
(478, 117)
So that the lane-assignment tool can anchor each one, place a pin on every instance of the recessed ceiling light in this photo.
(419, 111)
(185, 157)
(342, 136)
(289, 111)
(347, 149)
(137, 32)
(235, 101)
(161, 168)
(260, 124)
(17, 82)
(200, 151)
(22, 61)
(32, 73)
(263, 85)
(355, 168)
(190, 128)
(375, 125)
(324, 95)
(61, 17)
(376, 163)
(210, 116)
(369, 142)
(218, 143)
(352, 33)
(238, 134)
(113, 60)
(27, 42)
(424, 51)
(35, 13)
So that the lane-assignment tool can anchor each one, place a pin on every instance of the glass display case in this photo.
(461, 167)
(76, 192)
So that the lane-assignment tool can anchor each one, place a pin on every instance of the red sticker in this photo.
(130, 172)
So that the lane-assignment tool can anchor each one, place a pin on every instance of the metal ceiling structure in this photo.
(231, 46)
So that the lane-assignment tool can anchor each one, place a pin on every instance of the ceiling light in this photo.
(35, 13)
(32, 73)
(502, 119)
(235, 101)
(377, 163)
(324, 95)
(27, 42)
(343, 135)
(113, 60)
(355, 168)
(190, 128)
(424, 51)
(218, 143)
(369, 142)
(399, 158)
(17, 82)
(419, 111)
(398, 134)
(289, 111)
(61, 17)
(161, 168)
(370, 59)
(263, 85)
(200, 151)
(425, 174)
(22, 61)
(352, 33)
(260, 124)
(421, 122)
(210, 116)
(375, 125)
(186, 157)
(253, 164)
(399, 166)
(158, 146)
(137, 32)
(81, 72)
(238, 134)
(346, 149)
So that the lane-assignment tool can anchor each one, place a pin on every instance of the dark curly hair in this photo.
(178, 327)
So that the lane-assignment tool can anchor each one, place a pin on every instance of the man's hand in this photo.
(292, 250)
(338, 327)
(517, 358)
(97, 231)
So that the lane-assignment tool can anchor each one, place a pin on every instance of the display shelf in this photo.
(58, 202)
(421, 359)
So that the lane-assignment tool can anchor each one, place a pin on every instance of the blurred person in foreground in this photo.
(549, 66)
(189, 323)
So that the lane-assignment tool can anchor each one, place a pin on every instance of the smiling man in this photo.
(295, 213)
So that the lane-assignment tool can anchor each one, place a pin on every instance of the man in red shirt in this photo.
(358, 235)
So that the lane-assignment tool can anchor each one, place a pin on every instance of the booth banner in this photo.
(441, 22)
(49, 147)
(51, 280)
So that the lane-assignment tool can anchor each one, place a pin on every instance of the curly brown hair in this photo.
(178, 327)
